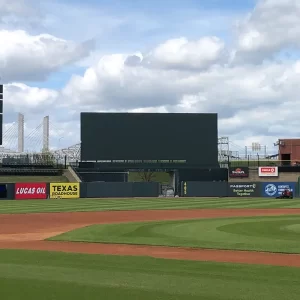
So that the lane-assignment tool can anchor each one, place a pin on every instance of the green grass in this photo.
(14, 179)
(48, 276)
(73, 205)
(269, 234)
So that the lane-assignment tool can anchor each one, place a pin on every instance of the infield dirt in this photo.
(29, 231)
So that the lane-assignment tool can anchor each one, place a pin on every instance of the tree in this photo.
(147, 176)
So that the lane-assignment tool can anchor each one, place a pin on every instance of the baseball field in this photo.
(162, 249)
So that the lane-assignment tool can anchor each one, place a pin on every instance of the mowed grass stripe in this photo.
(33, 206)
(63, 205)
(142, 202)
(268, 234)
(133, 203)
(60, 276)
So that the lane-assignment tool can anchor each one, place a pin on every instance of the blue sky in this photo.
(166, 5)
(136, 25)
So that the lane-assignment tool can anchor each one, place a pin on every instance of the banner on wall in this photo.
(275, 189)
(3, 191)
(30, 190)
(243, 189)
(268, 171)
(64, 190)
(238, 172)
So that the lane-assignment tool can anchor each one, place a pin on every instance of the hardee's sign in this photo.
(268, 171)
(239, 172)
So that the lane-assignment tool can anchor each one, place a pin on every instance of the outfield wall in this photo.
(237, 189)
(23, 191)
(40, 190)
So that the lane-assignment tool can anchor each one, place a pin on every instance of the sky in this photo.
(240, 59)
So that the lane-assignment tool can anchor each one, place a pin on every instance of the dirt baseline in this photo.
(28, 232)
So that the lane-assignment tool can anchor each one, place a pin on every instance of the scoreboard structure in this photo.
(149, 140)
(1, 113)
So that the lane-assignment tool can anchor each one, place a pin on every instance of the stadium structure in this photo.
(16, 143)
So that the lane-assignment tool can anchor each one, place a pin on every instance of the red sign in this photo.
(268, 171)
(30, 190)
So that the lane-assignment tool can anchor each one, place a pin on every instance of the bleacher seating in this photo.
(30, 172)
(27, 165)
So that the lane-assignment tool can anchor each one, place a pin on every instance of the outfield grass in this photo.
(45, 275)
(15, 179)
(267, 234)
(73, 205)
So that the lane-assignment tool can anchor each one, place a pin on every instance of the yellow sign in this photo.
(185, 189)
(64, 190)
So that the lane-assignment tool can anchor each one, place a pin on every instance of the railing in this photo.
(263, 162)
(33, 161)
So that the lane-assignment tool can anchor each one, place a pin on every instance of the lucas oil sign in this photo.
(30, 191)
(64, 190)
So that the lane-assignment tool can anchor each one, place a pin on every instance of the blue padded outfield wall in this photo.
(274, 189)
(44, 191)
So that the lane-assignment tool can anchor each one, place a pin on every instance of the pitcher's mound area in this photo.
(28, 232)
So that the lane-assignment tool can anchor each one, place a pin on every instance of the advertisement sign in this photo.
(275, 189)
(238, 172)
(3, 191)
(64, 190)
(244, 189)
(30, 190)
(268, 171)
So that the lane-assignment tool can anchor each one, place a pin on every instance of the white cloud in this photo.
(272, 26)
(19, 97)
(24, 57)
(181, 53)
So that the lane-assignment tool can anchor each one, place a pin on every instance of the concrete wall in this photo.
(71, 175)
